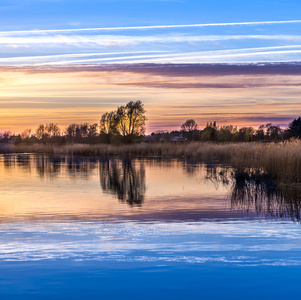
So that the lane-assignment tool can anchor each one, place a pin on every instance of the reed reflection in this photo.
(253, 190)
(125, 179)
(257, 191)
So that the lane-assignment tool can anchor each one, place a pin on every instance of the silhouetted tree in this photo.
(189, 125)
(40, 132)
(245, 134)
(227, 133)
(52, 130)
(83, 130)
(210, 132)
(82, 133)
(260, 133)
(130, 121)
(71, 132)
(26, 134)
(274, 133)
(5, 137)
(93, 133)
(108, 124)
(294, 128)
(190, 131)
(92, 130)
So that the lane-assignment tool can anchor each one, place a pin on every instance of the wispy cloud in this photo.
(44, 59)
(275, 53)
(150, 27)
(169, 70)
(123, 40)
(193, 57)
(173, 45)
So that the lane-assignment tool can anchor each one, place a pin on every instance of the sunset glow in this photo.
(240, 71)
(31, 96)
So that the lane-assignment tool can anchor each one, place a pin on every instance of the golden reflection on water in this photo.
(38, 186)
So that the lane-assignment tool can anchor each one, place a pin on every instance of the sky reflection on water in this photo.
(142, 213)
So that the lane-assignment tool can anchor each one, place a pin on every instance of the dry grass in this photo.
(281, 160)
(4, 148)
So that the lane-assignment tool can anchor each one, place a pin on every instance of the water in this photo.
(144, 229)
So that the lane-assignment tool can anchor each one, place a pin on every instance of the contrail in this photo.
(148, 27)
(75, 55)
(146, 55)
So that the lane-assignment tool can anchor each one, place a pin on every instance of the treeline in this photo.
(127, 125)
(212, 132)
(124, 125)
(52, 134)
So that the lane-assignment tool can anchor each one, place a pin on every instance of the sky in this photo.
(234, 62)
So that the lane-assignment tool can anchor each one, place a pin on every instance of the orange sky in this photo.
(29, 97)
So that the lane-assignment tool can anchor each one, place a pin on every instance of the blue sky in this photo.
(244, 27)
(26, 14)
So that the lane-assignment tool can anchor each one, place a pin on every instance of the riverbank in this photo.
(281, 160)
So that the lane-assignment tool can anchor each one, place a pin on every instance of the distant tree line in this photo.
(190, 131)
(127, 125)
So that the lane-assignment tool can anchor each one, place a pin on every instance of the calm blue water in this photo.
(74, 228)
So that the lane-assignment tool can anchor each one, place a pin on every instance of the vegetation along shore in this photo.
(269, 148)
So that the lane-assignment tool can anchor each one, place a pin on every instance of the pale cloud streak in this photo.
(150, 27)
(122, 40)
(47, 58)
(256, 54)
(174, 44)
(193, 57)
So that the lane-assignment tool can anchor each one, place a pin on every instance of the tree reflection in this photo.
(53, 166)
(48, 166)
(124, 179)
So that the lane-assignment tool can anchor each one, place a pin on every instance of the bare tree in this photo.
(71, 131)
(26, 134)
(40, 131)
(108, 122)
(189, 125)
(52, 129)
(92, 130)
(108, 125)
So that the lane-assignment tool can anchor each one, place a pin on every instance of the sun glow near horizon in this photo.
(30, 97)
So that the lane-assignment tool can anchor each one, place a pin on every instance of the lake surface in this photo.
(74, 228)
